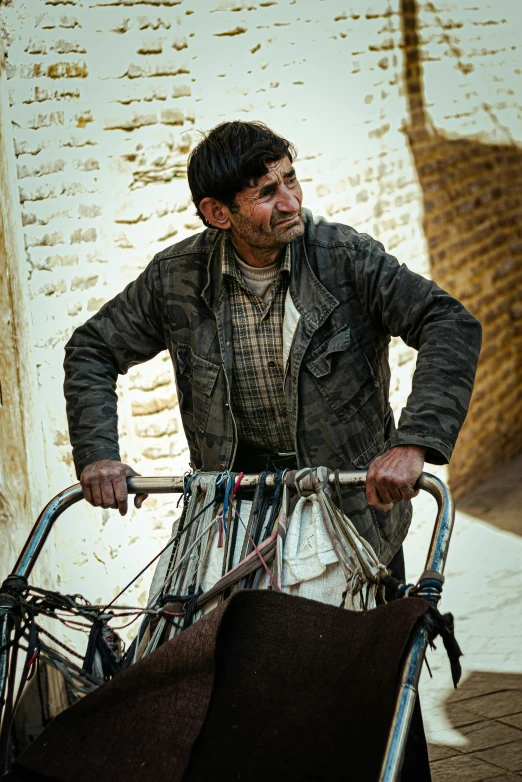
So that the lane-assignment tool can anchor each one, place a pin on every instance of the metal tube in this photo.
(139, 485)
(43, 526)
(408, 690)
(164, 485)
(441, 536)
(4, 655)
(174, 485)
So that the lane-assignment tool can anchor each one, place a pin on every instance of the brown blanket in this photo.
(267, 686)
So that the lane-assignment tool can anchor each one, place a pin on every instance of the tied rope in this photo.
(443, 625)
(358, 561)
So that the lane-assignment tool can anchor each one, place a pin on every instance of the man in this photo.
(278, 326)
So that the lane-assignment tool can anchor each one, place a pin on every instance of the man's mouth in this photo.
(287, 221)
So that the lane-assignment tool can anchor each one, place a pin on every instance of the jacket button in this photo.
(229, 344)
(271, 363)
(227, 405)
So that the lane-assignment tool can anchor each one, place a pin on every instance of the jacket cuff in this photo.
(437, 452)
(95, 455)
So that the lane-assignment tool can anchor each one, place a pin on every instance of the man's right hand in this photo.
(104, 485)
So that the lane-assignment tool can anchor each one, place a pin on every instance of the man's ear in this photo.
(215, 213)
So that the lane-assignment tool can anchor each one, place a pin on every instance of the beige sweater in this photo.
(257, 279)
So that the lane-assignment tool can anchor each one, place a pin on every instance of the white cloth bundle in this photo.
(323, 557)
(323, 554)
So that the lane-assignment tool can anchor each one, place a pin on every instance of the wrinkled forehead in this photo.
(277, 171)
(278, 168)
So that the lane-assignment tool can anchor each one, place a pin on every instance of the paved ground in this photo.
(475, 732)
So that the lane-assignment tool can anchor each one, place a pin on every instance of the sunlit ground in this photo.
(483, 590)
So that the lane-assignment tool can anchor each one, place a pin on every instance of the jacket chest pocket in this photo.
(196, 380)
(342, 373)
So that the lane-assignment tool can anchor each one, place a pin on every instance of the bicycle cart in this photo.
(21, 603)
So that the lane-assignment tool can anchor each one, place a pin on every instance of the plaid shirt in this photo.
(258, 374)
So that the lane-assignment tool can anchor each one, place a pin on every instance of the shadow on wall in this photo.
(487, 711)
(472, 198)
(498, 501)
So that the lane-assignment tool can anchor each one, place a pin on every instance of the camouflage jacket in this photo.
(352, 297)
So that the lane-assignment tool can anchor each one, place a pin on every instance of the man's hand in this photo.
(391, 477)
(104, 485)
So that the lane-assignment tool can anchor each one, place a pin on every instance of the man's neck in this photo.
(257, 256)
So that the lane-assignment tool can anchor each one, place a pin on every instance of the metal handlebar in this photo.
(435, 563)
(174, 485)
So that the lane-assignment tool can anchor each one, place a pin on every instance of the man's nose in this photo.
(287, 201)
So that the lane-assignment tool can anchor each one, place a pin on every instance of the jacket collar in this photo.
(313, 301)
(213, 290)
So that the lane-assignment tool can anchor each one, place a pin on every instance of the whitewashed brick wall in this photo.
(107, 98)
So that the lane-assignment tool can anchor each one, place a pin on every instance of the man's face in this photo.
(268, 215)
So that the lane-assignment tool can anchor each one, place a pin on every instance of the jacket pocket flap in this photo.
(320, 361)
(203, 374)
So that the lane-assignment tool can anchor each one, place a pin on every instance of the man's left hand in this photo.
(392, 477)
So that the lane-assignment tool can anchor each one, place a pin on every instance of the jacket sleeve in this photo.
(446, 336)
(126, 331)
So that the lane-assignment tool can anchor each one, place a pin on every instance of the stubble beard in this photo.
(279, 236)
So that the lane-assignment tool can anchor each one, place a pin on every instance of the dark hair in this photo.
(233, 156)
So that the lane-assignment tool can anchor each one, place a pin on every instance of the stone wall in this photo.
(107, 97)
(106, 100)
(466, 140)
